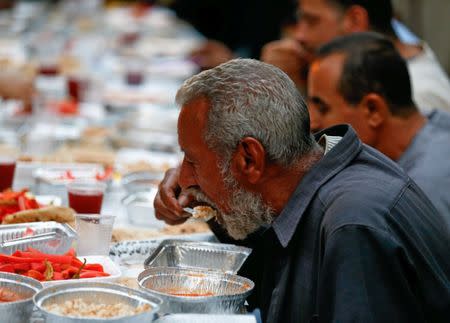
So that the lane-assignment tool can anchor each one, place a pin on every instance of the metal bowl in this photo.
(19, 311)
(222, 257)
(224, 293)
(103, 293)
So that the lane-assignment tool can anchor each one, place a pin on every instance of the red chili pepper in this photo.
(38, 266)
(92, 274)
(56, 267)
(22, 202)
(22, 267)
(106, 174)
(7, 268)
(69, 174)
(57, 275)
(35, 258)
(35, 274)
(69, 272)
(76, 262)
(71, 252)
(94, 267)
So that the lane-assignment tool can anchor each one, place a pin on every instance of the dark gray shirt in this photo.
(358, 241)
(427, 160)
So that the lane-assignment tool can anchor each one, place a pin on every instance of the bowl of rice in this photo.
(96, 302)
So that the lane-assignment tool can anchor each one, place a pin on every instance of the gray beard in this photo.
(247, 212)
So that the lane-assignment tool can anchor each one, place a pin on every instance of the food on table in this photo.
(8, 295)
(189, 227)
(81, 308)
(59, 214)
(76, 154)
(141, 166)
(46, 267)
(12, 202)
(100, 176)
(204, 212)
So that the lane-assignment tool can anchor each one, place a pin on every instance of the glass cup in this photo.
(86, 197)
(7, 168)
(77, 87)
(94, 233)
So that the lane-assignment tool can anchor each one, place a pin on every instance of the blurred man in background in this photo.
(322, 20)
(361, 79)
(234, 28)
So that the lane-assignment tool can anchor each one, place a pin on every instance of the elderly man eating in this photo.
(339, 232)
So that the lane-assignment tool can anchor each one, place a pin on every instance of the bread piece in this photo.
(59, 214)
(204, 212)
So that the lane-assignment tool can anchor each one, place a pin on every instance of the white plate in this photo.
(108, 266)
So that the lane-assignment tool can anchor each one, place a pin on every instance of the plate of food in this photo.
(22, 206)
(54, 269)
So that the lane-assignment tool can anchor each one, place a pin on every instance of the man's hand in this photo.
(170, 200)
(211, 54)
(289, 56)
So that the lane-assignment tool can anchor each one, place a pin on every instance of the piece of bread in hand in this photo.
(59, 214)
(204, 212)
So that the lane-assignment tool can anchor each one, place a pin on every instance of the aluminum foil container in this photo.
(206, 318)
(207, 291)
(192, 254)
(19, 311)
(58, 244)
(132, 252)
(103, 293)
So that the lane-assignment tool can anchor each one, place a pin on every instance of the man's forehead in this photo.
(329, 63)
(195, 111)
(192, 119)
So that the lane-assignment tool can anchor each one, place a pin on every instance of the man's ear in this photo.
(356, 19)
(376, 109)
(249, 161)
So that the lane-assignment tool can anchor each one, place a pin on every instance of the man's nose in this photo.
(300, 33)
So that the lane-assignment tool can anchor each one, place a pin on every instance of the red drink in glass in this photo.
(88, 203)
(7, 169)
(134, 78)
(86, 197)
(76, 86)
(48, 70)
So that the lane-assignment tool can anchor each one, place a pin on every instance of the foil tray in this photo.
(206, 318)
(58, 244)
(132, 252)
(19, 311)
(192, 254)
(104, 293)
(198, 290)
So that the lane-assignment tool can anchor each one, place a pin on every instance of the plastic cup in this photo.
(94, 234)
(77, 87)
(86, 197)
(7, 169)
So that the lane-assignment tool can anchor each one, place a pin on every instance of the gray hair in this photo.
(251, 98)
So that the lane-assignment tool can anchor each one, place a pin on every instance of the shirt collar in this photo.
(332, 163)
